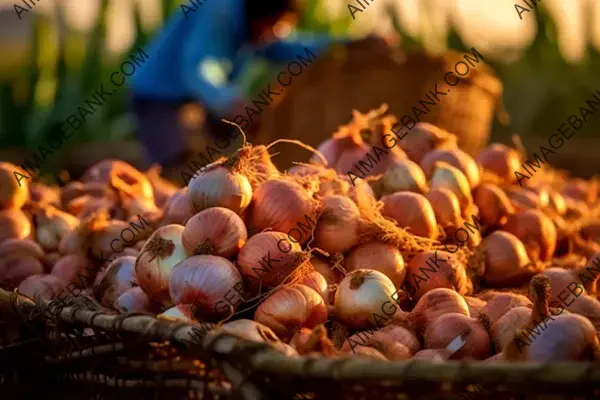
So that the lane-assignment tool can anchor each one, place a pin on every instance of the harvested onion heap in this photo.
(433, 246)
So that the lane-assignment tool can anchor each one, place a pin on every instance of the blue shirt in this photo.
(199, 53)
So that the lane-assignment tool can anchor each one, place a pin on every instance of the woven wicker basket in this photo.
(361, 78)
(136, 356)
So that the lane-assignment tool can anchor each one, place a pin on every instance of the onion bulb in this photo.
(158, 257)
(290, 308)
(14, 224)
(505, 260)
(435, 303)
(217, 231)
(73, 268)
(411, 211)
(446, 207)
(404, 176)
(442, 331)
(178, 209)
(16, 268)
(116, 279)
(494, 205)
(43, 285)
(264, 261)
(14, 192)
(217, 186)
(338, 225)
(282, 204)
(536, 231)
(425, 137)
(503, 330)
(204, 281)
(21, 247)
(51, 225)
(445, 176)
(500, 161)
(360, 295)
(455, 157)
(134, 300)
(502, 303)
(436, 269)
(377, 256)
(106, 170)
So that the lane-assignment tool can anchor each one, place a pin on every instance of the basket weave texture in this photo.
(359, 78)
(86, 354)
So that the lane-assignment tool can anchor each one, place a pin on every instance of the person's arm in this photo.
(286, 50)
(208, 49)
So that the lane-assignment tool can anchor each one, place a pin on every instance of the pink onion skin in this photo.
(178, 209)
(446, 328)
(503, 331)
(266, 211)
(291, 308)
(411, 211)
(438, 302)
(155, 263)
(15, 269)
(44, 285)
(204, 281)
(24, 247)
(216, 231)
(180, 312)
(338, 225)
(317, 282)
(264, 261)
(476, 306)
(501, 303)
(118, 277)
(134, 300)
(430, 270)
(74, 268)
(378, 256)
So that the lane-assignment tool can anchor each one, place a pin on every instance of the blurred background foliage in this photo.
(59, 67)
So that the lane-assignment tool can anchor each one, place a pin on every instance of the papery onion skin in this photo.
(404, 175)
(178, 209)
(443, 330)
(446, 207)
(455, 157)
(506, 260)
(217, 186)
(445, 176)
(332, 275)
(476, 306)
(263, 261)
(204, 281)
(14, 193)
(134, 300)
(503, 330)
(536, 231)
(290, 308)
(153, 266)
(74, 268)
(180, 312)
(378, 256)
(118, 277)
(317, 282)
(436, 269)
(21, 247)
(217, 231)
(15, 269)
(500, 160)
(501, 303)
(389, 333)
(247, 329)
(14, 224)
(361, 294)
(52, 225)
(43, 285)
(494, 205)
(436, 303)
(411, 211)
(338, 225)
(282, 205)
(424, 138)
